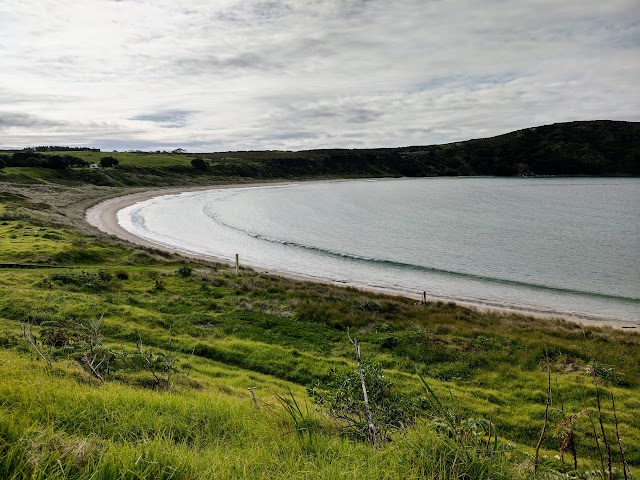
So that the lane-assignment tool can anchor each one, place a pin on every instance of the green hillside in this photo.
(576, 148)
(123, 362)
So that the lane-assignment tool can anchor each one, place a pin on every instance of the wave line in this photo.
(410, 266)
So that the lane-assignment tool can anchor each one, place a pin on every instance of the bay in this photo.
(554, 245)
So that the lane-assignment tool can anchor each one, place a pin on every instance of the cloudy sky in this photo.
(214, 75)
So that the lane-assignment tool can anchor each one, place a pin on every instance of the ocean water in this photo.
(555, 245)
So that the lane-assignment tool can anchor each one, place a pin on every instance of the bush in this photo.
(184, 271)
(108, 162)
(84, 280)
(41, 160)
(59, 333)
(122, 275)
(199, 163)
(342, 399)
(53, 236)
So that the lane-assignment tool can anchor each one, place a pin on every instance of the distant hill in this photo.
(599, 148)
(576, 148)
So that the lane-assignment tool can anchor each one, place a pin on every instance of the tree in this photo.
(199, 163)
(108, 162)
(55, 161)
(75, 161)
(385, 410)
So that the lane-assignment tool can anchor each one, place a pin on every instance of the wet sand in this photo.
(104, 217)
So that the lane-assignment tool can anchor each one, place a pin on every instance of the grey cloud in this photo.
(349, 114)
(224, 64)
(362, 115)
(12, 97)
(15, 120)
(270, 10)
(357, 110)
(260, 12)
(289, 134)
(248, 13)
(306, 73)
(166, 118)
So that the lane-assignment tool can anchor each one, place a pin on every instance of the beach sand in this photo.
(104, 217)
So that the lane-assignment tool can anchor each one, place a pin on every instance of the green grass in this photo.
(137, 159)
(225, 333)
(54, 426)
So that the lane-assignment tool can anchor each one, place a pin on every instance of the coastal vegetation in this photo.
(119, 361)
(576, 148)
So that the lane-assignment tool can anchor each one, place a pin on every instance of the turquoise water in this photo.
(557, 245)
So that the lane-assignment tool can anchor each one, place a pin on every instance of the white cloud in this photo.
(247, 74)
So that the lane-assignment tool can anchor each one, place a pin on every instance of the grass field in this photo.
(181, 342)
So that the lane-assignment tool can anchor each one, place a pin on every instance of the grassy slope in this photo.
(231, 332)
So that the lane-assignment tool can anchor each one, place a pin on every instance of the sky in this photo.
(220, 75)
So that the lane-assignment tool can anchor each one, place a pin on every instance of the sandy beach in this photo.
(103, 216)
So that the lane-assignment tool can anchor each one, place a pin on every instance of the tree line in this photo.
(57, 148)
(30, 158)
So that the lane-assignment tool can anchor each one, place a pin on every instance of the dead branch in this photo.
(604, 435)
(615, 419)
(95, 339)
(371, 426)
(253, 397)
(546, 417)
(595, 435)
(90, 361)
(30, 339)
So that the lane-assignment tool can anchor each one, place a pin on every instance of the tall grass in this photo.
(55, 427)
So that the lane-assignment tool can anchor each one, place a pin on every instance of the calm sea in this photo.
(559, 245)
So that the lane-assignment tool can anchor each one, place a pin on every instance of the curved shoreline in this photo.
(103, 216)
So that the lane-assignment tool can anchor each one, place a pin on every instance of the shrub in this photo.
(199, 163)
(122, 275)
(158, 286)
(342, 399)
(59, 333)
(606, 372)
(84, 280)
(53, 236)
(184, 271)
(108, 162)
(105, 276)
